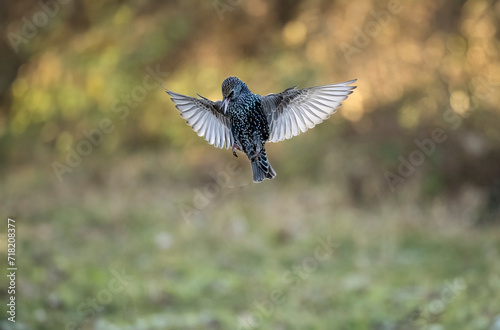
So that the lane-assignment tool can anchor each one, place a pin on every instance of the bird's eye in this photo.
(231, 93)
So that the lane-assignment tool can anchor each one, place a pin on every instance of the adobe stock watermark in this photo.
(221, 6)
(422, 318)
(202, 197)
(427, 146)
(407, 166)
(32, 23)
(363, 37)
(92, 306)
(120, 107)
(291, 279)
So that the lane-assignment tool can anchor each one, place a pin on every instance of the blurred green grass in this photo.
(389, 260)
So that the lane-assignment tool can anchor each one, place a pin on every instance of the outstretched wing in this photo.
(205, 118)
(294, 111)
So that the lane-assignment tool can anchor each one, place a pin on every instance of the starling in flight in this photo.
(245, 121)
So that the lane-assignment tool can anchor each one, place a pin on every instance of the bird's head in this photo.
(232, 87)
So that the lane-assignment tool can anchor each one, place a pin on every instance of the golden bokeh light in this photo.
(294, 33)
(459, 101)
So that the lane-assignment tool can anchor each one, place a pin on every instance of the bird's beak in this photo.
(224, 105)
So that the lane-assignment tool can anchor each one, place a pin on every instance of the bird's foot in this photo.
(235, 148)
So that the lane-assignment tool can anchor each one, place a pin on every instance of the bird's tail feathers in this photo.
(261, 168)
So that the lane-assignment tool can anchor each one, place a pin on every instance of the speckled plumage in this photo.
(248, 125)
(246, 121)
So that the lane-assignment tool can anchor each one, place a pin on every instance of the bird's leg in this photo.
(235, 148)
(257, 150)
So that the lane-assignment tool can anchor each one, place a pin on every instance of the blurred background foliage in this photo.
(433, 64)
